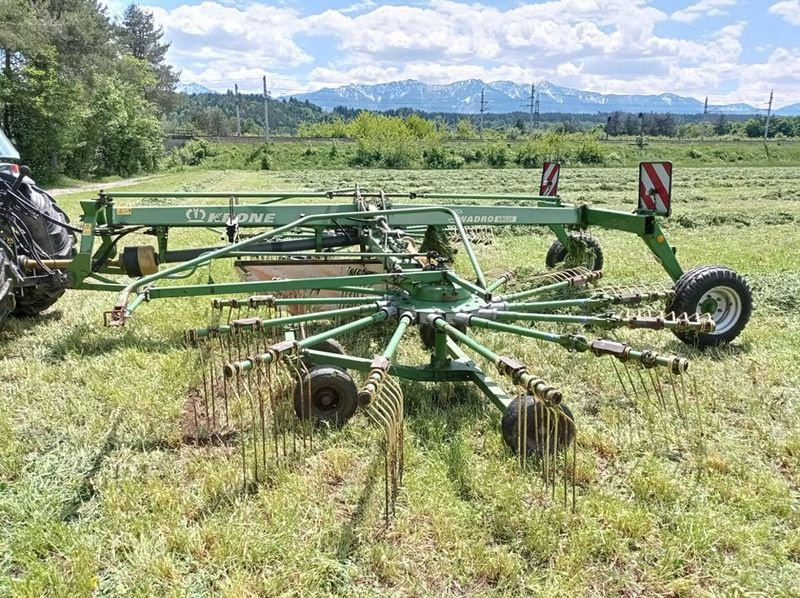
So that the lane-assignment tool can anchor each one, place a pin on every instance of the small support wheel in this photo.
(553, 426)
(589, 254)
(719, 292)
(327, 395)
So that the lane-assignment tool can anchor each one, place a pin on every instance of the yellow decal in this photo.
(660, 238)
(123, 211)
(87, 229)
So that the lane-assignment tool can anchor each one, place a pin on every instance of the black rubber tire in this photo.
(537, 423)
(334, 396)
(690, 289)
(329, 346)
(557, 253)
(7, 300)
(56, 241)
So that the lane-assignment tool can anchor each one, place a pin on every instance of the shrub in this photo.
(589, 151)
(528, 156)
(442, 159)
(364, 156)
(192, 153)
(497, 156)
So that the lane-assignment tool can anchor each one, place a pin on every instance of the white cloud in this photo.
(358, 6)
(703, 8)
(612, 46)
(788, 9)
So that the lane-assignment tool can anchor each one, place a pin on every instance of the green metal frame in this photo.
(104, 220)
(369, 220)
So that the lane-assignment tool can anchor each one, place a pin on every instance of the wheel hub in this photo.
(326, 399)
(724, 306)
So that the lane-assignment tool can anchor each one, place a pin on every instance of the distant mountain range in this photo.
(502, 97)
(190, 88)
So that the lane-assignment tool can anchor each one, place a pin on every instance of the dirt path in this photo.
(98, 186)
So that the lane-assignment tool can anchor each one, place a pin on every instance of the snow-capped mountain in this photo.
(190, 88)
(503, 96)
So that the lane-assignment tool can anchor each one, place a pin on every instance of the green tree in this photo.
(143, 40)
(722, 126)
(464, 129)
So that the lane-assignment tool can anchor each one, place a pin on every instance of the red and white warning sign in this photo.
(549, 186)
(655, 187)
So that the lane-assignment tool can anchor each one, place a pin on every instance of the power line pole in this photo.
(483, 109)
(705, 120)
(238, 120)
(536, 114)
(769, 113)
(266, 111)
(532, 104)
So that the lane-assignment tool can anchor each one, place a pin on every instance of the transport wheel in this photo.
(330, 394)
(718, 291)
(56, 241)
(556, 428)
(589, 255)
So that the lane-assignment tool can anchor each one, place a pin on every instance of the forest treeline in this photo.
(82, 94)
(215, 115)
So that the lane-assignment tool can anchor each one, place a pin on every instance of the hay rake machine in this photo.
(322, 267)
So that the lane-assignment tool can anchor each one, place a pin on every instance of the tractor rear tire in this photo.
(540, 427)
(592, 253)
(7, 300)
(333, 396)
(56, 241)
(718, 291)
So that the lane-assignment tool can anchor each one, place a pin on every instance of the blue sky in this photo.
(729, 50)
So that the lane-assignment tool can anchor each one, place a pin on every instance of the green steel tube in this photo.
(216, 194)
(520, 330)
(236, 367)
(481, 292)
(286, 320)
(122, 301)
(376, 376)
(310, 341)
(622, 351)
(323, 300)
(455, 333)
(485, 196)
(609, 322)
(504, 279)
(519, 376)
(549, 305)
(394, 342)
(538, 290)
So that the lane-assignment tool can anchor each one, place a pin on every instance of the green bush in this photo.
(440, 158)
(528, 156)
(471, 156)
(387, 155)
(192, 153)
(365, 155)
(589, 151)
(398, 156)
(497, 156)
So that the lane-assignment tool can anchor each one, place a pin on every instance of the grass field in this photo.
(98, 494)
